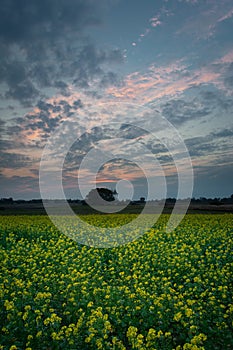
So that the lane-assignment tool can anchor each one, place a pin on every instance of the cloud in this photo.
(229, 77)
(204, 23)
(89, 65)
(200, 146)
(30, 20)
(216, 99)
(224, 65)
(228, 15)
(24, 186)
(14, 160)
(129, 131)
(33, 129)
(155, 21)
(25, 92)
(165, 159)
(117, 169)
(77, 104)
(43, 45)
(163, 81)
(2, 124)
(215, 145)
(223, 133)
(227, 58)
(5, 145)
(179, 111)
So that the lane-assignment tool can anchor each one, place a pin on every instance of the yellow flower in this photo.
(167, 334)
(188, 312)
(25, 315)
(9, 305)
(151, 335)
(160, 333)
(198, 339)
(5, 330)
(177, 316)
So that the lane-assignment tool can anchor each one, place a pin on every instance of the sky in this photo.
(116, 91)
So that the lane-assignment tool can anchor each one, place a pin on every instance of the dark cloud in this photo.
(89, 65)
(24, 91)
(155, 147)
(109, 78)
(14, 160)
(77, 104)
(60, 84)
(44, 106)
(2, 124)
(212, 143)
(62, 87)
(118, 163)
(179, 111)
(44, 121)
(229, 77)
(216, 99)
(43, 45)
(200, 146)
(165, 159)
(26, 20)
(86, 141)
(224, 133)
(90, 139)
(129, 131)
(19, 187)
(5, 145)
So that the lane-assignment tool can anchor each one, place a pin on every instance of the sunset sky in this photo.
(101, 66)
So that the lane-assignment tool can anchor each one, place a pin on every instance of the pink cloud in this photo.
(126, 173)
(155, 21)
(227, 58)
(159, 82)
(204, 25)
(155, 83)
(145, 33)
(228, 15)
(21, 172)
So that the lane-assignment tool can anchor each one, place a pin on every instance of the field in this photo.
(162, 291)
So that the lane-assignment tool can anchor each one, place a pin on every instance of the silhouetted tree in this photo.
(7, 200)
(106, 194)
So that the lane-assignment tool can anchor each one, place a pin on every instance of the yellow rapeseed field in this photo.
(162, 291)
